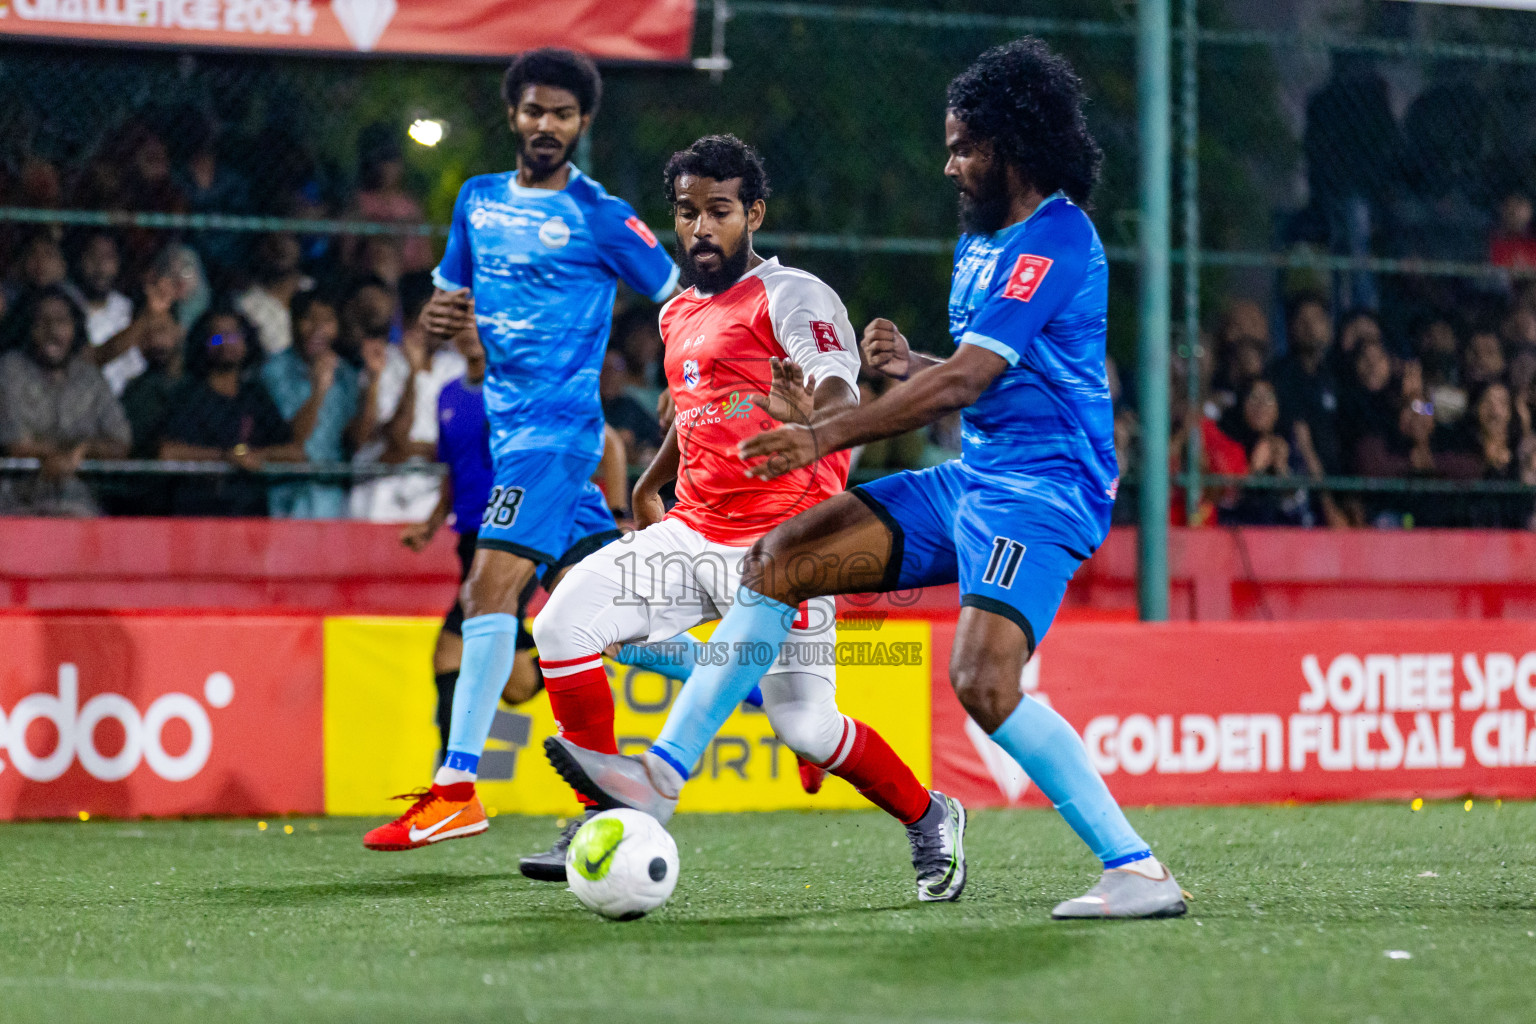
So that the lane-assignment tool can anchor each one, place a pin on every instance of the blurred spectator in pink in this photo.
(1512, 244)
(381, 194)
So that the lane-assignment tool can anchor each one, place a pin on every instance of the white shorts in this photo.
(656, 583)
(653, 584)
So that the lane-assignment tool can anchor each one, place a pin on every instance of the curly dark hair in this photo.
(196, 361)
(720, 157)
(559, 68)
(17, 332)
(1028, 102)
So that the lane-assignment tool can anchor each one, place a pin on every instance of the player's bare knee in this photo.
(761, 572)
(525, 680)
(987, 692)
(780, 566)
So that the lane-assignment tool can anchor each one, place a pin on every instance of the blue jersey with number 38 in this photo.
(543, 266)
(1037, 293)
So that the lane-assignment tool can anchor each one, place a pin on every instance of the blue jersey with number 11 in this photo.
(1036, 293)
(543, 265)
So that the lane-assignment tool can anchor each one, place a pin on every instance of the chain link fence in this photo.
(1375, 157)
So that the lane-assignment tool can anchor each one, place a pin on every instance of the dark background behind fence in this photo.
(1381, 155)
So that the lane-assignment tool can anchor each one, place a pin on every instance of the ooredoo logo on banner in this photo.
(159, 715)
(1238, 712)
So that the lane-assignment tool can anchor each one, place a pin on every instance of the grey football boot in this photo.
(611, 780)
(549, 866)
(938, 850)
(1122, 893)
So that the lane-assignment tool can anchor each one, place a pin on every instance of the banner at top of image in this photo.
(649, 30)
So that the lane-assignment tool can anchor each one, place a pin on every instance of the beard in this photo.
(715, 281)
(985, 211)
(541, 163)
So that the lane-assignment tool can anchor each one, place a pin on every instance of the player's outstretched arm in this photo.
(796, 398)
(646, 500)
(947, 387)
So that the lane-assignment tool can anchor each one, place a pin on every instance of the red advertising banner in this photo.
(159, 715)
(660, 30)
(1257, 712)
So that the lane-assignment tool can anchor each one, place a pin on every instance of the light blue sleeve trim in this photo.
(991, 345)
(660, 295)
(442, 282)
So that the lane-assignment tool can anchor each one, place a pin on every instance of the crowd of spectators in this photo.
(246, 349)
(1452, 401)
(250, 349)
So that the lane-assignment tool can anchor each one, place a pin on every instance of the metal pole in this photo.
(1152, 91)
(1189, 117)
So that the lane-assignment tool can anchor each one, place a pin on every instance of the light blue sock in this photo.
(490, 644)
(675, 659)
(1050, 752)
(714, 690)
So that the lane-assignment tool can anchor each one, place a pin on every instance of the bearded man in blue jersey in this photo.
(531, 265)
(1011, 520)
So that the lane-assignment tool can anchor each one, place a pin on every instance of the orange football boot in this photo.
(442, 812)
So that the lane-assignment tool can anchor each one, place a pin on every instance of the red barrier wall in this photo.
(1217, 713)
(160, 715)
(331, 567)
(346, 568)
(1279, 574)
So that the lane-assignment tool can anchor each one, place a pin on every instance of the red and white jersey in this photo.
(717, 352)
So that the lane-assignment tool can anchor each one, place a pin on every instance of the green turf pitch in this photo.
(793, 917)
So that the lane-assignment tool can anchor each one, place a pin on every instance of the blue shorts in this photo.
(544, 507)
(1008, 549)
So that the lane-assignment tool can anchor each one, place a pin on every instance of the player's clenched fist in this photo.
(885, 348)
(447, 314)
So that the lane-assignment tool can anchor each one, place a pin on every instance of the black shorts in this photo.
(453, 622)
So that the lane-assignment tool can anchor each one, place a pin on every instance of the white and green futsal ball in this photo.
(622, 864)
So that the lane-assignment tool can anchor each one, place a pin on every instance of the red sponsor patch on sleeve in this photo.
(826, 336)
(638, 226)
(1026, 276)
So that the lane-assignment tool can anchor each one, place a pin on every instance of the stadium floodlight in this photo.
(427, 131)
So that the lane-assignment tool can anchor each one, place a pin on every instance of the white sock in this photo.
(666, 778)
(1147, 867)
(450, 776)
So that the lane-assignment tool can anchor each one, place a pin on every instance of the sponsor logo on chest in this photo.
(554, 233)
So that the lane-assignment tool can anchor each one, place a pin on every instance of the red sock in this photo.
(582, 701)
(875, 770)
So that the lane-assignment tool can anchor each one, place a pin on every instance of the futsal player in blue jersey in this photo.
(1011, 520)
(532, 264)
